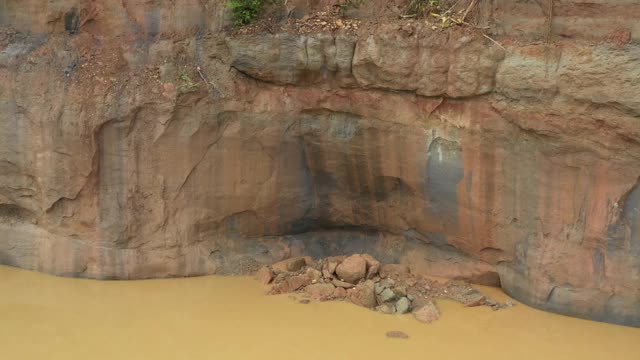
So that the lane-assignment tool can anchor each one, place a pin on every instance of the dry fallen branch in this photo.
(469, 8)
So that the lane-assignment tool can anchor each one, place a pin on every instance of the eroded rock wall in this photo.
(143, 140)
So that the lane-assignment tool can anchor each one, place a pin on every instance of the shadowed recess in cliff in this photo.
(625, 233)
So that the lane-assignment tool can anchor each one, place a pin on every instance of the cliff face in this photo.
(139, 139)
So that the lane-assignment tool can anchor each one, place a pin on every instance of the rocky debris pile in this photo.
(364, 281)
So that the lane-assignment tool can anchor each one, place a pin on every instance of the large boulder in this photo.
(352, 269)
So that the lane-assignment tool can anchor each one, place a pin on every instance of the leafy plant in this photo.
(420, 7)
(187, 83)
(244, 11)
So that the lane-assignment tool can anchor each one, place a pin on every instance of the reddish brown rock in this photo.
(352, 269)
(291, 284)
(264, 275)
(320, 292)
(364, 295)
(339, 293)
(289, 265)
(427, 313)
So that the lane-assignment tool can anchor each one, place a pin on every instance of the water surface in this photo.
(46, 317)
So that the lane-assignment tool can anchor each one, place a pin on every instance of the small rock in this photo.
(342, 284)
(385, 309)
(403, 306)
(291, 284)
(291, 264)
(339, 293)
(387, 295)
(352, 269)
(326, 274)
(333, 262)
(400, 291)
(411, 297)
(304, 301)
(264, 275)
(280, 278)
(476, 301)
(427, 313)
(379, 288)
(364, 295)
(320, 292)
(314, 275)
(509, 303)
(397, 335)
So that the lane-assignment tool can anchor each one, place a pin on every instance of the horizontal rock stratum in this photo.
(151, 142)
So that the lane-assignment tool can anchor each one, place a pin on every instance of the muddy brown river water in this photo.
(46, 317)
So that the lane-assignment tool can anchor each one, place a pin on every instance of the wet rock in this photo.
(397, 335)
(264, 275)
(291, 264)
(477, 300)
(342, 284)
(352, 269)
(427, 313)
(364, 295)
(320, 292)
(403, 306)
(373, 266)
(394, 270)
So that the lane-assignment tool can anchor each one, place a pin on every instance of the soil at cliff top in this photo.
(337, 19)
